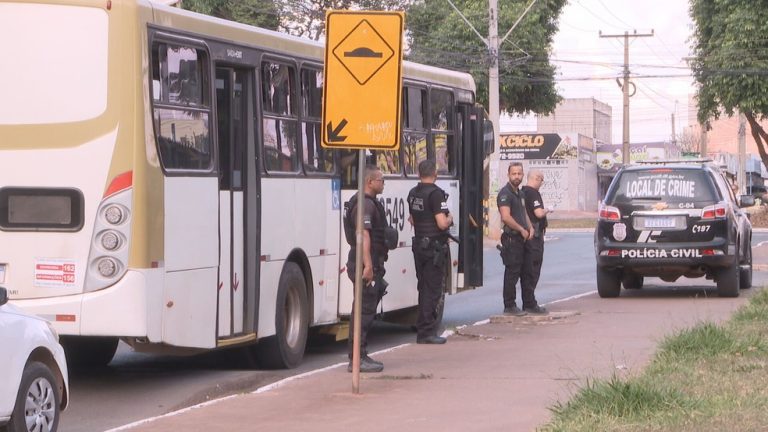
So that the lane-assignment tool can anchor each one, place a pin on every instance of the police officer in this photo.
(517, 230)
(534, 247)
(431, 220)
(374, 255)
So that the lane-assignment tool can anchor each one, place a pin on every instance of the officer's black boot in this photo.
(367, 365)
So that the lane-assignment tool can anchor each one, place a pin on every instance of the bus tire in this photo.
(447, 287)
(87, 352)
(409, 316)
(285, 349)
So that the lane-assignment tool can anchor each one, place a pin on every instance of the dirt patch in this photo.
(572, 223)
(759, 216)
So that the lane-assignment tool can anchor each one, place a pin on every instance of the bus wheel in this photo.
(286, 348)
(88, 351)
(447, 286)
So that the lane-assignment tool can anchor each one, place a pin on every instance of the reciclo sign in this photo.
(531, 146)
(363, 80)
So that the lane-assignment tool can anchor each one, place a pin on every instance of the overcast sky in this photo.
(589, 64)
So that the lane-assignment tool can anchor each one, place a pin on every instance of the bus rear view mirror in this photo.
(489, 135)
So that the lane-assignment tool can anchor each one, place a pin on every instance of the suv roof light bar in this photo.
(671, 161)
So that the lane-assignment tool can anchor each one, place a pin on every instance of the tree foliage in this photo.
(260, 13)
(437, 35)
(689, 141)
(306, 18)
(730, 62)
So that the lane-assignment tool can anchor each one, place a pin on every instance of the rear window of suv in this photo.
(664, 184)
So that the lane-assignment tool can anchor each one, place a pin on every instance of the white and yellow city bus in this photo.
(162, 181)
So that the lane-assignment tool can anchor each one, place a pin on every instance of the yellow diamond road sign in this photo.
(363, 80)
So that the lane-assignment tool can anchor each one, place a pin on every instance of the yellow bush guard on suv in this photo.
(672, 219)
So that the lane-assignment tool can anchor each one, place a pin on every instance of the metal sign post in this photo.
(362, 97)
(358, 302)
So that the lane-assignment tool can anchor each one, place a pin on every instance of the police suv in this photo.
(673, 219)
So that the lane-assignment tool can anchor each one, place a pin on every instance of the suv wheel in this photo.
(608, 283)
(632, 281)
(38, 403)
(728, 281)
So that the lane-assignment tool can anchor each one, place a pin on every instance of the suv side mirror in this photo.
(3, 296)
(746, 201)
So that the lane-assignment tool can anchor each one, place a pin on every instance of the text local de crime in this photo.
(661, 187)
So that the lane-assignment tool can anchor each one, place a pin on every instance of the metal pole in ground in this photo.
(356, 308)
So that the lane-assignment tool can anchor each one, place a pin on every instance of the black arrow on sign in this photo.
(333, 134)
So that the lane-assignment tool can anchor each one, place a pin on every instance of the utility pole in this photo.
(625, 88)
(742, 173)
(493, 42)
(493, 69)
(674, 136)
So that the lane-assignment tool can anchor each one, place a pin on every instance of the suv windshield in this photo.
(663, 184)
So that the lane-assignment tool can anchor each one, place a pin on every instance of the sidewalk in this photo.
(488, 377)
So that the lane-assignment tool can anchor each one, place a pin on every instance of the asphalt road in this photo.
(136, 386)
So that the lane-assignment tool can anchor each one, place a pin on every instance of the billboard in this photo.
(537, 146)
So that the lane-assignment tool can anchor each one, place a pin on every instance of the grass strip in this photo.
(707, 378)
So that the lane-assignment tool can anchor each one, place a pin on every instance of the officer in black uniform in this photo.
(431, 220)
(517, 230)
(534, 247)
(374, 256)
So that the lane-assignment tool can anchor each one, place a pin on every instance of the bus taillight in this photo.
(108, 258)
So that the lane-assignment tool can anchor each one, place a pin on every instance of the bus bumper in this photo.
(120, 310)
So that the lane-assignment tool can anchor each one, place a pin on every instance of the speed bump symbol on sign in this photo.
(363, 52)
(363, 80)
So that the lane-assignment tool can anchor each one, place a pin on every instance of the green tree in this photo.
(730, 62)
(259, 13)
(437, 35)
(306, 18)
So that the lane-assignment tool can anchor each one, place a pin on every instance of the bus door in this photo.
(232, 109)
(471, 208)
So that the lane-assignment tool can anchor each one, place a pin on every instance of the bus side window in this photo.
(181, 111)
(414, 142)
(280, 128)
(388, 161)
(348, 162)
(316, 158)
(443, 130)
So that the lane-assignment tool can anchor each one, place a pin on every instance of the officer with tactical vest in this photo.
(431, 220)
(517, 230)
(375, 251)
(534, 247)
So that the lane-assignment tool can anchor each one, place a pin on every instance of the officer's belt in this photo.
(430, 240)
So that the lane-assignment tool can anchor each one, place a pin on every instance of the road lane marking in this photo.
(573, 297)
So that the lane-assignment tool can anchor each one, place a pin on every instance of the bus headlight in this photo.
(107, 267)
(114, 215)
(110, 240)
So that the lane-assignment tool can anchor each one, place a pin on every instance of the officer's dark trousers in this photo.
(369, 302)
(529, 276)
(430, 273)
(513, 256)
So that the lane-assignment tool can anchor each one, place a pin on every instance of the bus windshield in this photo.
(54, 76)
